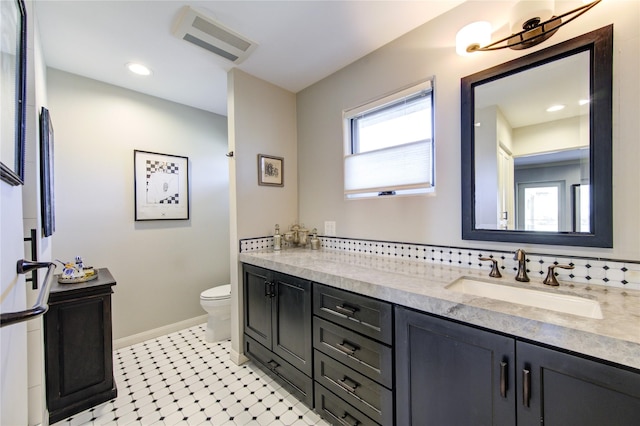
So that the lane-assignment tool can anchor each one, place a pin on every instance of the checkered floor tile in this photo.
(179, 379)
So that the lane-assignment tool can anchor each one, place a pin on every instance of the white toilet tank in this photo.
(217, 302)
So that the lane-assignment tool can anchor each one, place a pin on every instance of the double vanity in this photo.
(383, 340)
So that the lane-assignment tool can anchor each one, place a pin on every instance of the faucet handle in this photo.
(551, 277)
(519, 255)
(495, 272)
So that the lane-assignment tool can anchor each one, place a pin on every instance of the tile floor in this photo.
(179, 379)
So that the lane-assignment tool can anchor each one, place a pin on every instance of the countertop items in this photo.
(422, 286)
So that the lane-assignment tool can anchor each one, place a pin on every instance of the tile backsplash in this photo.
(605, 272)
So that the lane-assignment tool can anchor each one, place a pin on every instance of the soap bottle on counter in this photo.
(277, 238)
(314, 240)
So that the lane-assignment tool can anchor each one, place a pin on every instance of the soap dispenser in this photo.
(277, 238)
(314, 240)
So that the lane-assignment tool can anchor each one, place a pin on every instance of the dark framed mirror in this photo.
(12, 90)
(536, 146)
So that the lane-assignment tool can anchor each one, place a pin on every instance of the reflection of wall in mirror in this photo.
(568, 133)
(493, 170)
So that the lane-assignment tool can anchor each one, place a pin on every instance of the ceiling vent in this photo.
(203, 31)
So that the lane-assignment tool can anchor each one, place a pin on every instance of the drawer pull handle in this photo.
(273, 365)
(347, 348)
(526, 387)
(349, 420)
(503, 379)
(348, 384)
(348, 310)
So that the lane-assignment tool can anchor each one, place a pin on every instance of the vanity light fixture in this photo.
(534, 17)
(138, 69)
(554, 108)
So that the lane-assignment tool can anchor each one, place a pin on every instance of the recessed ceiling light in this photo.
(138, 69)
(477, 124)
(555, 108)
(583, 101)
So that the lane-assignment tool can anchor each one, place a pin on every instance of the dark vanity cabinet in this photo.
(564, 389)
(451, 373)
(353, 358)
(447, 373)
(277, 328)
(78, 346)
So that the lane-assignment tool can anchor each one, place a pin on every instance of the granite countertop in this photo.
(422, 286)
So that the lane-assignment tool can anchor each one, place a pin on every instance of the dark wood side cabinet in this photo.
(456, 374)
(277, 328)
(78, 346)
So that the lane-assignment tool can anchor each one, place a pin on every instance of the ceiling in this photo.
(299, 42)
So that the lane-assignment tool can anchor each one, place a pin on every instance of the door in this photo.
(292, 321)
(452, 374)
(13, 362)
(258, 294)
(561, 389)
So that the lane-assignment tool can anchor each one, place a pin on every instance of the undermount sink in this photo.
(564, 303)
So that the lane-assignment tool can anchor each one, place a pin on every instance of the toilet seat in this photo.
(217, 293)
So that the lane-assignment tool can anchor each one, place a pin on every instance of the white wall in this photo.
(160, 266)
(429, 51)
(262, 120)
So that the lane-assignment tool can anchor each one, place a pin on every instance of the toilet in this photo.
(217, 302)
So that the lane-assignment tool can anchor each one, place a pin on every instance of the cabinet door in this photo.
(561, 389)
(79, 365)
(258, 293)
(451, 374)
(292, 321)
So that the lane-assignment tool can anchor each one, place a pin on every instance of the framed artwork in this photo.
(47, 199)
(161, 186)
(270, 170)
(13, 90)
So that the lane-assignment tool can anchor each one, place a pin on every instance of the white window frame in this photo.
(361, 180)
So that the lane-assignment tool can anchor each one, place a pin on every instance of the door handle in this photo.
(503, 379)
(41, 306)
(526, 387)
(269, 289)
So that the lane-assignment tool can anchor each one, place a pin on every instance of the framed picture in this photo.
(46, 174)
(270, 170)
(161, 184)
(13, 90)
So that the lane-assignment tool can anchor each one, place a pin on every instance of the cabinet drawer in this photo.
(292, 379)
(371, 358)
(373, 399)
(338, 412)
(359, 313)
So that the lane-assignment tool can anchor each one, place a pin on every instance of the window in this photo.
(389, 145)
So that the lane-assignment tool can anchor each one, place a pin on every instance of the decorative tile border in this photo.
(605, 272)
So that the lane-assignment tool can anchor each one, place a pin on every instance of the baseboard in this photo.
(237, 358)
(157, 332)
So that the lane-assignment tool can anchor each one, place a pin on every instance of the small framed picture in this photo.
(270, 170)
(161, 186)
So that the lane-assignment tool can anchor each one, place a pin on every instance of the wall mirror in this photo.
(536, 146)
(12, 90)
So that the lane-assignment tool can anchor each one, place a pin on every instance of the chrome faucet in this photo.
(521, 257)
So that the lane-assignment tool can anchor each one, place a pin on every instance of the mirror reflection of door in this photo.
(541, 206)
(581, 208)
